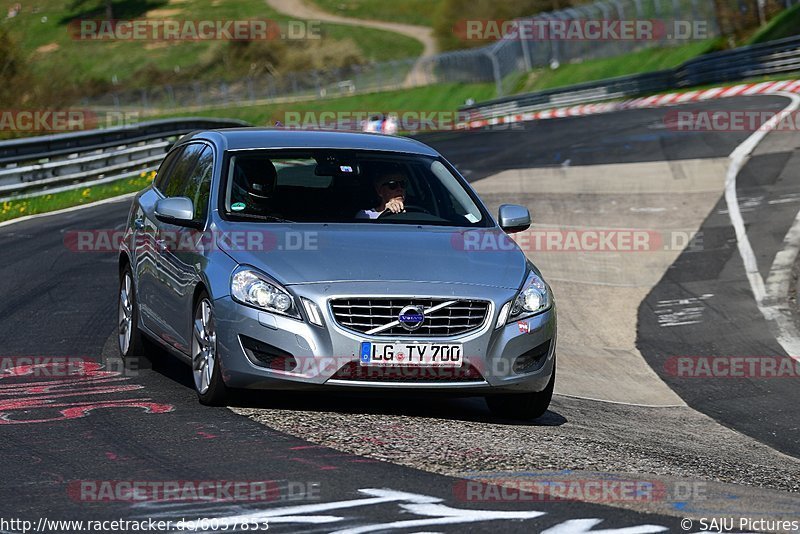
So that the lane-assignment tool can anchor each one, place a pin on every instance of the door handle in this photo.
(138, 224)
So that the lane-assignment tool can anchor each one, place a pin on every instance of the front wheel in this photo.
(522, 406)
(131, 344)
(211, 390)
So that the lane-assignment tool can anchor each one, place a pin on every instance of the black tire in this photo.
(522, 406)
(211, 390)
(132, 349)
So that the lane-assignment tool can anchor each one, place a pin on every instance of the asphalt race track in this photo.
(363, 464)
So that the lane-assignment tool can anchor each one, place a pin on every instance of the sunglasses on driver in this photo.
(395, 184)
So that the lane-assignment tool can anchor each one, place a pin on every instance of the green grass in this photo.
(784, 24)
(418, 12)
(647, 60)
(31, 206)
(45, 25)
(441, 97)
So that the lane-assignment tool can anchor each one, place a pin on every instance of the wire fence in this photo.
(780, 56)
(503, 62)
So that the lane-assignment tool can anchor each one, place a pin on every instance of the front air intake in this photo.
(265, 355)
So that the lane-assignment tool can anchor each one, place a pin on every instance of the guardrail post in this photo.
(554, 44)
(526, 53)
(762, 19)
(198, 96)
(620, 9)
(621, 48)
(498, 81)
(317, 84)
(223, 88)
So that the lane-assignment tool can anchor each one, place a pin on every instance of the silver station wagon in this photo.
(277, 259)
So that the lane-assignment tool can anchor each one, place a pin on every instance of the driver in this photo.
(391, 189)
(253, 185)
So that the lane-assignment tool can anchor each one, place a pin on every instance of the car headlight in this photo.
(534, 297)
(253, 288)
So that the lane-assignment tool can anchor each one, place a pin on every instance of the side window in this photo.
(181, 171)
(163, 171)
(198, 187)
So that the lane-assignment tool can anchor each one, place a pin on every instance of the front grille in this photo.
(364, 314)
(412, 373)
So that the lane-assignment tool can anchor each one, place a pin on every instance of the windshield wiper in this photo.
(270, 218)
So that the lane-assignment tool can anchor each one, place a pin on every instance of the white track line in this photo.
(110, 200)
(623, 403)
(771, 298)
(776, 305)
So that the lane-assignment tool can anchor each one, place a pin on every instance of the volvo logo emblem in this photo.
(411, 317)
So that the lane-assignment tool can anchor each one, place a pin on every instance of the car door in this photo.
(166, 235)
(182, 261)
(145, 230)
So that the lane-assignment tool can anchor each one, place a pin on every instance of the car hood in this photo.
(329, 253)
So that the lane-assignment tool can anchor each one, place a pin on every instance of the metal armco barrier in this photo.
(774, 57)
(48, 164)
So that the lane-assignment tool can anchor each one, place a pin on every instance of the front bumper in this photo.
(320, 353)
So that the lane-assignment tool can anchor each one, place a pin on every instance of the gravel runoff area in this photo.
(675, 445)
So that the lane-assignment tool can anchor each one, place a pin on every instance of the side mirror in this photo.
(175, 210)
(513, 218)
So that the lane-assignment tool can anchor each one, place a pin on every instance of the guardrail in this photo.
(774, 57)
(49, 164)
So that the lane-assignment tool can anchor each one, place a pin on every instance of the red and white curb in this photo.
(655, 101)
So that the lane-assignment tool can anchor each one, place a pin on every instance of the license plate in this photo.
(406, 354)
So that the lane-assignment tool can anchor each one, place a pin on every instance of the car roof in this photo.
(259, 138)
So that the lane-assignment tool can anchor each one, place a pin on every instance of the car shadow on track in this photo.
(471, 409)
(437, 406)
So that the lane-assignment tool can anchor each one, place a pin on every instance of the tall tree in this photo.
(108, 4)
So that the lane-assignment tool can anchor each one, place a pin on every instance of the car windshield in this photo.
(346, 186)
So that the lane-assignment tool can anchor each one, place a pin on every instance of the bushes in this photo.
(13, 72)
